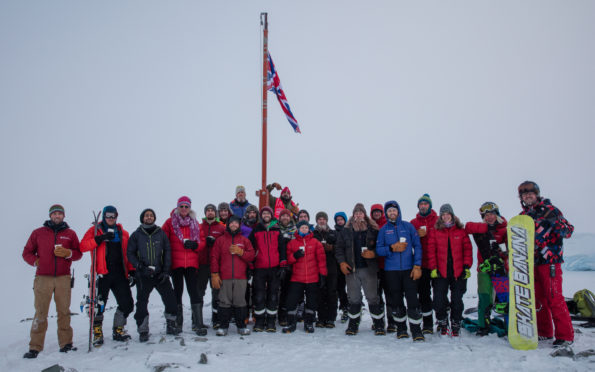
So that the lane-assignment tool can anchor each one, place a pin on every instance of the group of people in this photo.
(274, 264)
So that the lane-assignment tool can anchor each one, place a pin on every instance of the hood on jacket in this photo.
(392, 203)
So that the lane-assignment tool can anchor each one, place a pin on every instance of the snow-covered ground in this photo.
(326, 349)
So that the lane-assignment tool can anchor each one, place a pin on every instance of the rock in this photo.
(584, 354)
(161, 367)
(54, 368)
(182, 342)
(565, 351)
(203, 358)
(201, 339)
(162, 340)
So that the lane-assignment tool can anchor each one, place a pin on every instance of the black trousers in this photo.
(144, 287)
(296, 293)
(203, 277)
(284, 290)
(265, 290)
(117, 282)
(383, 288)
(327, 295)
(400, 283)
(424, 290)
(457, 287)
(190, 275)
(341, 291)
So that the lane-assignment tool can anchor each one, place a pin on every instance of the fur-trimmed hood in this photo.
(370, 223)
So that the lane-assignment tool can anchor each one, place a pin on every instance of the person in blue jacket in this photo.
(399, 243)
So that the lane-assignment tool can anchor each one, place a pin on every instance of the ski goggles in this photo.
(488, 207)
(110, 216)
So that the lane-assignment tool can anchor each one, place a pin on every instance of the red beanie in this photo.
(184, 200)
(286, 189)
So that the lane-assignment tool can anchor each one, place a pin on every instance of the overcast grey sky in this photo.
(135, 103)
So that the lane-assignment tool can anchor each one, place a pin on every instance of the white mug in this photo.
(403, 240)
(302, 248)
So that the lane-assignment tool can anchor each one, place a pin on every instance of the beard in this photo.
(286, 199)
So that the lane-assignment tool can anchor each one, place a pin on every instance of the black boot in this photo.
(482, 331)
(67, 348)
(180, 316)
(171, 327)
(428, 325)
(259, 325)
(198, 326)
(442, 327)
(282, 317)
(416, 332)
(376, 311)
(271, 323)
(455, 329)
(224, 317)
(399, 316)
(299, 315)
(241, 313)
(309, 321)
(291, 323)
(352, 326)
(31, 354)
(402, 330)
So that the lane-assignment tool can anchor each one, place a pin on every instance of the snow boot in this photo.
(428, 325)
(320, 323)
(224, 317)
(416, 332)
(299, 315)
(97, 335)
(171, 327)
(309, 321)
(241, 314)
(442, 327)
(455, 330)
(180, 316)
(377, 313)
(259, 323)
(31, 354)
(402, 330)
(344, 315)
(198, 326)
(352, 326)
(215, 319)
(329, 324)
(118, 331)
(561, 343)
(282, 317)
(143, 329)
(291, 326)
(482, 331)
(271, 323)
(67, 348)
(143, 337)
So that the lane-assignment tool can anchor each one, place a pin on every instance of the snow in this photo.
(579, 252)
(326, 349)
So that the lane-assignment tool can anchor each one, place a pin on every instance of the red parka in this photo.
(499, 235)
(267, 245)
(41, 246)
(88, 244)
(214, 229)
(381, 222)
(231, 266)
(429, 222)
(180, 256)
(460, 246)
(306, 269)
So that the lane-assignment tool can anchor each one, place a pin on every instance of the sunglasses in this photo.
(488, 207)
(183, 206)
(110, 216)
(525, 191)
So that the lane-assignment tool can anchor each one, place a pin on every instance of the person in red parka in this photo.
(210, 229)
(183, 232)
(306, 256)
(113, 270)
(424, 222)
(450, 256)
(230, 257)
(51, 249)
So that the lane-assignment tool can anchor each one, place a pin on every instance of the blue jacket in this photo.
(391, 233)
(238, 209)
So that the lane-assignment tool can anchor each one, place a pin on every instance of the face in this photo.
(149, 218)
(423, 207)
(321, 222)
(57, 217)
(359, 215)
(490, 218)
(340, 221)
(446, 217)
(266, 216)
(251, 215)
(529, 198)
(110, 219)
(234, 226)
(210, 215)
(303, 217)
(184, 210)
(241, 196)
(285, 195)
(376, 214)
(224, 214)
(285, 219)
(392, 213)
(304, 229)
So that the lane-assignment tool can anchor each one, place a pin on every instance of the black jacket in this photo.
(344, 250)
(330, 238)
(149, 249)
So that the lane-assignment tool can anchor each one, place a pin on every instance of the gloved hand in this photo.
(466, 273)
(368, 253)
(62, 252)
(131, 278)
(299, 254)
(398, 247)
(434, 274)
(415, 272)
(163, 278)
(281, 273)
(321, 281)
(216, 280)
(485, 266)
(145, 270)
(345, 268)
(501, 307)
(106, 236)
(210, 241)
(191, 244)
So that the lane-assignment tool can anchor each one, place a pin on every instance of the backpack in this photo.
(585, 303)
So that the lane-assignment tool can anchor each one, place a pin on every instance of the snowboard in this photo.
(522, 324)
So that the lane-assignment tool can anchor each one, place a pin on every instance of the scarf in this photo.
(177, 221)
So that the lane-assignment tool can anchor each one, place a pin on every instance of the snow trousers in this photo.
(44, 286)
(485, 295)
(364, 278)
(232, 293)
(341, 290)
(265, 288)
(457, 287)
(550, 304)
(383, 288)
(118, 283)
(401, 284)
(296, 294)
(424, 292)
(144, 287)
(327, 295)
(190, 276)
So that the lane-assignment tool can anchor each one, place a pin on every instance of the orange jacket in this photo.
(88, 244)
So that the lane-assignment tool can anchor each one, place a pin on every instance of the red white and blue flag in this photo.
(274, 85)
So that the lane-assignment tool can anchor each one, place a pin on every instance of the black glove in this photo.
(281, 273)
(298, 254)
(131, 278)
(495, 248)
(145, 270)
(101, 238)
(191, 244)
(163, 278)
(210, 241)
(322, 281)
(331, 238)
(249, 273)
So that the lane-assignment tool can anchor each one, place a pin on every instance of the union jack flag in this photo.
(274, 85)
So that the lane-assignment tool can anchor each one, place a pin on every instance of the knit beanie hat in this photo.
(142, 214)
(267, 209)
(425, 198)
(109, 209)
(446, 208)
(359, 207)
(223, 206)
(240, 188)
(184, 200)
(286, 189)
(251, 208)
(233, 218)
(302, 223)
(56, 208)
(304, 211)
(340, 214)
(210, 206)
(321, 214)
(285, 211)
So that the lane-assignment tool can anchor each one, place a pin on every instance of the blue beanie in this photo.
(340, 214)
